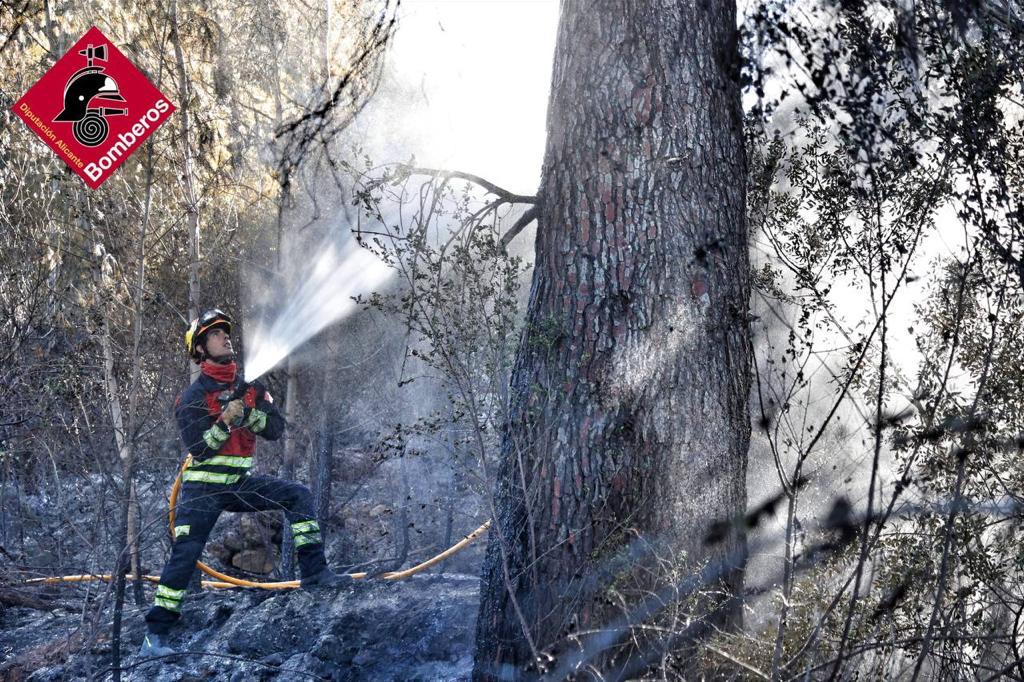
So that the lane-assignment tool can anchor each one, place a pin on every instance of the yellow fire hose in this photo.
(226, 581)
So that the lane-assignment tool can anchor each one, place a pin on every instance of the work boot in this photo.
(326, 578)
(155, 645)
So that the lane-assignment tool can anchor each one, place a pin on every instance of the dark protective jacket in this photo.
(220, 454)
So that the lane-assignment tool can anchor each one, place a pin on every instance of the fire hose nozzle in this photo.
(243, 387)
(240, 390)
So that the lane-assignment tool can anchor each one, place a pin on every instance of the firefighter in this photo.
(219, 430)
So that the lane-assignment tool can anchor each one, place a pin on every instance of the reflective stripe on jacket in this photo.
(222, 456)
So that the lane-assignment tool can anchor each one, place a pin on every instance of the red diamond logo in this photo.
(93, 108)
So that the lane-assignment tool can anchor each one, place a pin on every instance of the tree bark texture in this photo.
(628, 422)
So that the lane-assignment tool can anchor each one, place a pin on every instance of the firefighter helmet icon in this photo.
(85, 85)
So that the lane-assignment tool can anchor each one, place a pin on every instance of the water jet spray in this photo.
(322, 297)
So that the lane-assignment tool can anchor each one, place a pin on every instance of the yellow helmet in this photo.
(208, 320)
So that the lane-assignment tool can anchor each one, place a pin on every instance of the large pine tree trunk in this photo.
(628, 413)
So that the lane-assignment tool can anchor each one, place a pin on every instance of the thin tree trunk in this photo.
(289, 465)
(191, 196)
(323, 469)
(113, 399)
(402, 517)
(290, 408)
(787, 575)
(128, 545)
(115, 637)
(451, 497)
(134, 389)
(325, 48)
(628, 401)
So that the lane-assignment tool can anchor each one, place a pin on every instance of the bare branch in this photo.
(510, 197)
(531, 214)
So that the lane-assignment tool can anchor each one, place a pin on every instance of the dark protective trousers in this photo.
(199, 506)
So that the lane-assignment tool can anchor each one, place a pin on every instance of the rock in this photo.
(234, 540)
(220, 552)
(255, 561)
(379, 510)
(273, 659)
(261, 528)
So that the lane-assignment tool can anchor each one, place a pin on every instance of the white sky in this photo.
(467, 89)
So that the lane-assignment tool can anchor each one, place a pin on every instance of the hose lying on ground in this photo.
(226, 581)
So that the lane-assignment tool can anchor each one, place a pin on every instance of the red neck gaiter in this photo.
(225, 374)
